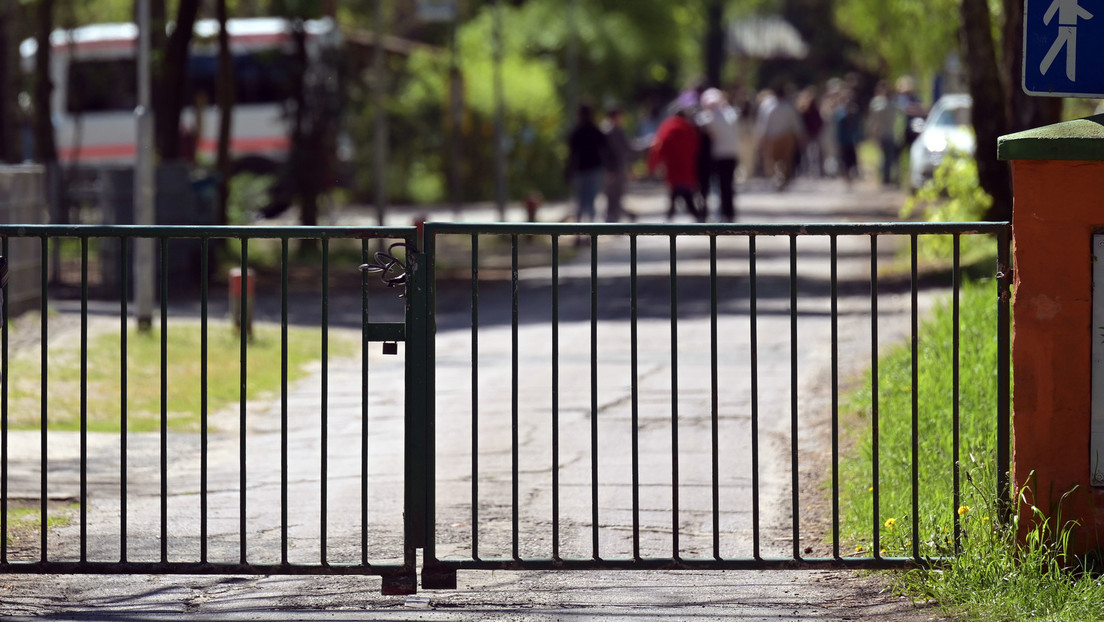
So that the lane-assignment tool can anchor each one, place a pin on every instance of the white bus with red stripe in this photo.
(94, 74)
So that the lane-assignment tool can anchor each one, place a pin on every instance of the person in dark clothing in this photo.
(617, 174)
(718, 120)
(586, 162)
(849, 133)
(705, 169)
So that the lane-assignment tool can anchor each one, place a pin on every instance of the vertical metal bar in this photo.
(594, 396)
(163, 261)
(83, 403)
(44, 323)
(244, 378)
(475, 394)
(795, 474)
(124, 288)
(1004, 435)
(324, 467)
(204, 299)
(915, 347)
(834, 253)
(364, 254)
(421, 391)
(284, 400)
(634, 338)
(874, 392)
(955, 393)
(715, 398)
(4, 251)
(555, 397)
(675, 546)
(754, 355)
(514, 394)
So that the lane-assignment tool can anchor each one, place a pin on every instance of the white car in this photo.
(947, 127)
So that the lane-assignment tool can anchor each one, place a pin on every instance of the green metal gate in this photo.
(629, 445)
(568, 397)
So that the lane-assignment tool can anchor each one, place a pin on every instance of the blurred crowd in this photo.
(706, 141)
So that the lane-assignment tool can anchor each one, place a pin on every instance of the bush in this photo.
(952, 194)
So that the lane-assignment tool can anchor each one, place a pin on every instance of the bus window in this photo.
(101, 85)
(263, 77)
(259, 77)
(202, 72)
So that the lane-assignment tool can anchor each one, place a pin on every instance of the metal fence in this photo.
(565, 397)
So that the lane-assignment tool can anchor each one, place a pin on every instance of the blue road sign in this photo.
(1064, 48)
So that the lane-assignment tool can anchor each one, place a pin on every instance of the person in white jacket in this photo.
(718, 119)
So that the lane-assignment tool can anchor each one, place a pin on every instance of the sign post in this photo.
(1063, 48)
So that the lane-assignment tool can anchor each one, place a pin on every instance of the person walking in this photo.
(781, 132)
(718, 120)
(617, 167)
(811, 158)
(588, 153)
(676, 149)
(882, 125)
(849, 133)
(908, 102)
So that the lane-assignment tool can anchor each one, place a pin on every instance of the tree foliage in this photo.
(902, 36)
(914, 36)
(626, 51)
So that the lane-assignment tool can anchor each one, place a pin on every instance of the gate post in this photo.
(1058, 180)
(435, 575)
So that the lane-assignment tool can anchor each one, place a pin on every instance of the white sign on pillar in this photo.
(1096, 436)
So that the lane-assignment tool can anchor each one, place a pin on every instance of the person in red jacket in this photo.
(676, 149)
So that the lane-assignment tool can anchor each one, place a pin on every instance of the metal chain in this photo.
(392, 270)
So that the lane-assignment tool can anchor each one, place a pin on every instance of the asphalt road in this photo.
(531, 595)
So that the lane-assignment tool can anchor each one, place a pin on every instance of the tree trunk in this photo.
(226, 110)
(714, 43)
(989, 112)
(9, 85)
(169, 83)
(305, 158)
(44, 145)
(1024, 111)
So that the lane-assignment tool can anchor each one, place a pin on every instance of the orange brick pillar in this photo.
(1058, 184)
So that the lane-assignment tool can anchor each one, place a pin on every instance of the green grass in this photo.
(24, 520)
(977, 400)
(143, 375)
(990, 575)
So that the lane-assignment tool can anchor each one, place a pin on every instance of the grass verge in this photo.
(24, 519)
(184, 375)
(989, 575)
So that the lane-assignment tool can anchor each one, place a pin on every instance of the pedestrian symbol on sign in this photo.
(1068, 13)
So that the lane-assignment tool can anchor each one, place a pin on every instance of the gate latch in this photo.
(390, 333)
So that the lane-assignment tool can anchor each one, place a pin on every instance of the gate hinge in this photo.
(1004, 282)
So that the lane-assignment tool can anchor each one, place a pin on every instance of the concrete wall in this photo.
(23, 201)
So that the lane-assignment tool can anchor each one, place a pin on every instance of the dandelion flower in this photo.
(890, 523)
(963, 509)
(871, 489)
(858, 549)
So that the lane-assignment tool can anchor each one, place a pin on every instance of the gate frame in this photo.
(419, 332)
(441, 574)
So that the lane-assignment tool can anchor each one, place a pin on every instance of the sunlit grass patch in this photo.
(103, 375)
